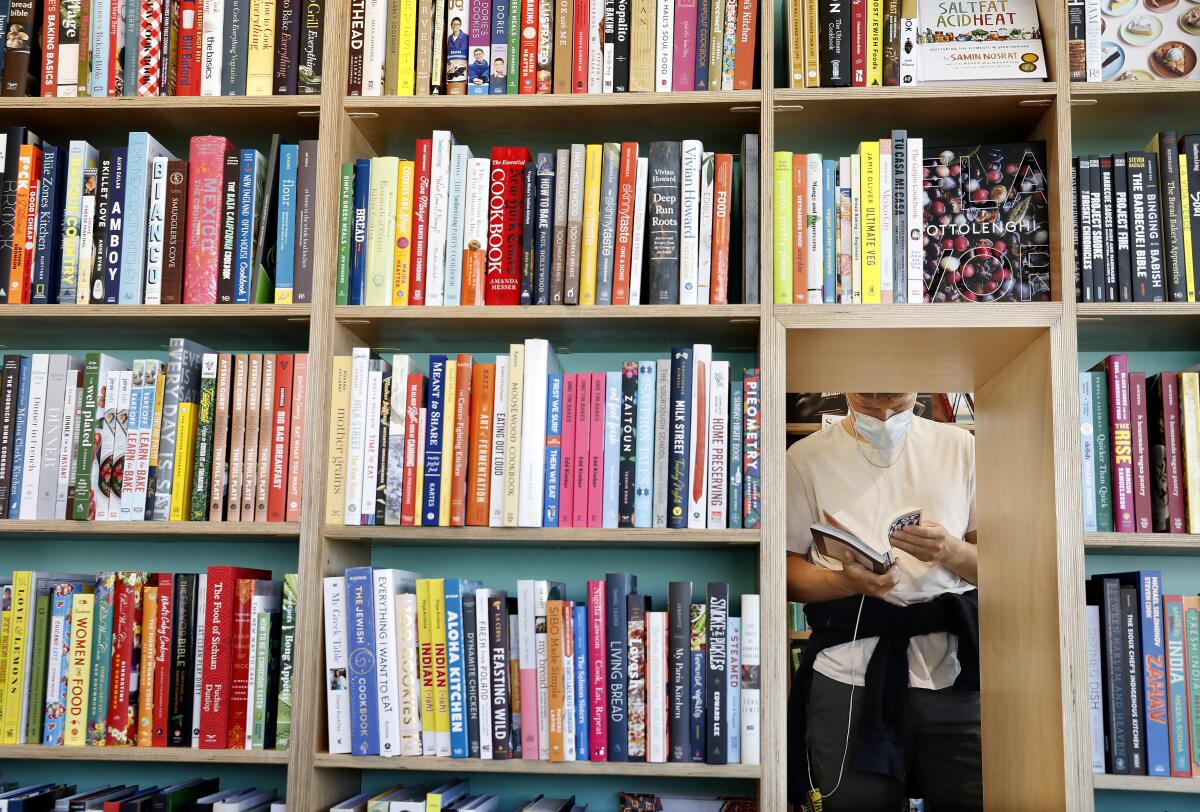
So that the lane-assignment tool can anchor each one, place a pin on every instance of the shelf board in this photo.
(582, 329)
(1110, 117)
(150, 531)
(1142, 543)
(1146, 783)
(529, 767)
(51, 327)
(804, 635)
(541, 537)
(175, 755)
(1138, 326)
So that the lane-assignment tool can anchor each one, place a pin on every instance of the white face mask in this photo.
(883, 435)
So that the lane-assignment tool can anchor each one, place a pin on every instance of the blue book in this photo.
(98, 77)
(248, 192)
(358, 230)
(703, 42)
(135, 210)
(612, 445)
(55, 711)
(456, 674)
(829, 225)
(431, 499)
(579, 630)
(285, 229)
(43, 287)
(554, 429)
(364, 688)
(699, 628)
(678, 427)
(498, 79)
(108, 256)
(617, 587)
(4, 15)
(735, 453)
(1156, 732)
(733, 700)
(18, 450)
(643, 470)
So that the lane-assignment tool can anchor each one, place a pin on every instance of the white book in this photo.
(733, 689)
(387, 584)
(1087, 453)
(750, 679)
(596, 47)
(381, 230)
(66, 449)
(266, 599)
(916, 193)
(662, 393)
(31, 465)
(212, 47)
(87, 248)
(568, 642)
(393, 474)
(409, 703)
(155, 228)
(475, 224)
(718, 445)
(689, 220)
(120, 436)
(201, 647)
(154, 371)
(105, 417)
(1095, 687)
(356, 439)
(814, 240)
(664, 46)
(374, 26)
(337, 689)
(483, 670)
(656, 687)
(1092, 53)
(460, 156)
(540, 361)
(698, 435)
(527, 655)
(142, 151)
(886, 283)
(541, 648)
(133, 432)
(249, 801)
(52, 429)
(370, 481)
(610, 56)
(499, 430)
(704, 265)
(908, 51)
(856, 241)
(439, 199)
(610, 472)
(639, 228)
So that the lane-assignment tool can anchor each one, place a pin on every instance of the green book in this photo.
(97, 730)
(81, 503)
(37, 672)
(262, 646)
(514, 48)
(287, 643)
(345, 220)
(202, 468)
(1102, 436)
(1191, 615)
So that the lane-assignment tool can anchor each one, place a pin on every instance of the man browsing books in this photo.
(885, 704)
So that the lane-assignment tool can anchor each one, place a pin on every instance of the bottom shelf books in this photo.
(445, 667)
(457, 795)
(148, 659)
(194, 795)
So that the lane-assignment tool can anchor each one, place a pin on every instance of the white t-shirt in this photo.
(935, 471)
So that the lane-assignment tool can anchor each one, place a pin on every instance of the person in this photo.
(885, 703)
(477, 71)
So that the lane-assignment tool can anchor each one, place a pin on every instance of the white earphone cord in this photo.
(849, 719)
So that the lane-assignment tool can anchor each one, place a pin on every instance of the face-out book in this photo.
(970, 40)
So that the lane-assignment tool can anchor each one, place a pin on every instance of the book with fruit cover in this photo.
(957, 43)
(1002, 252)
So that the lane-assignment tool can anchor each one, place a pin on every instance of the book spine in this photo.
(1173, 452)
(750, 680)
(618, 586)
(455, 670)
(644, 484)
(1175, 690)
(1171, 216)
(592, 191)
(470, 667)
(1140, 448)
(716, 690)
(1102, 435)
(679, 670)
(609, 488)
(1191, 614)
(554, 451)
(126, 653)
(582, 446)
(1087, 453)
(337, 693)
(597, 670)
(664, 212)
(363, 678)
(501, 710)
(1158, 737)
(182, 655)
(1122, 442)
(506, 193)
(543, 227)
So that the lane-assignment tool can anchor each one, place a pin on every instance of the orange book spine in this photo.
(623, 259)
(799, 253)
(474, 264)
(462, 410)
(744, 43)
(254, 382)
(145, 724)
(718, 291)
(483, 392)
(21, 264)
(554, 677)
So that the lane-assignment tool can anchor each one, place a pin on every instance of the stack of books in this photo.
(461, 47)
(134, 225)
(594, 224)
(446, 667)
(137, 659)
(901, 221)
(518, 443)
(204, 436)
(199, 794)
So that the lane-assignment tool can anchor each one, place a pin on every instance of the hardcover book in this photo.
(974, 41)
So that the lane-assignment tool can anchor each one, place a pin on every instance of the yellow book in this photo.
(448, 424)
(5, 630)
(425, 668)
(869, 224)
(874, 43)
(591, 224)
(1189, 397)
(185, 445)
(781, 208)
(78, 670)
(512, 436)
(1185, 226)
(402, 255)
(145, 723)
(407, 53)
(812, 45)
(339, 437)
(441, 690)
(14, 663)
(797, 64)
(260, 50)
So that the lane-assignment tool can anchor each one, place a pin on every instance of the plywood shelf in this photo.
(1142, 543)
(1146, 783)
(798, 636)
(173, 755)
(15, 529)
(1138, 326)
(529, 767)
(622, 538)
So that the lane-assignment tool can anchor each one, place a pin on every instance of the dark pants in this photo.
(945, 765)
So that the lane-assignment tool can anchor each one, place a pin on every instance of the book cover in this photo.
(362, 675)
(955, 43)
(1165, 453)
(663, 218)
(618, 586)
(1176, 695)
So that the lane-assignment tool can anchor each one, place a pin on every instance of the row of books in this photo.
(1137, 222)
(1143, 676)
(135, 225)
(461, 47)
(518, 443)
(869, 43)
(192, 795)
(565, 227)
(456, 795)
(203, 437)
(162, 48)
(445, 667)
(1140, 449)
(137, 659)
(901, 221)
(1131, 40)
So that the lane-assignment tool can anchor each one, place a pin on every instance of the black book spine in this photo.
(306, 204)
(716, 712)
(891, 42)
(1084, 186)
(1171, 208)
(10, 379)
(225, 283)
(834, 21)
(1140, 218)
(14, 138)
(1111, 293)
(1189, 159)
(750, 167)
(1076, 224)
(271, 712)
(308, 67)
(497, 610)
(1121, 229)
(104, 175)
(1132, 678)
(679, 669)
(543, 228)
(385, 423)
(662, 222)
(617, 586)
(115, 228)
(528, 239)
(627, 444)
(264, 240)
(680, 423)
(900, 203)
(471, 663)
(1096, 197)
(287, 46)
(354, 69)
(1154, 232)
(23, 52)
(1116, 707)
(622, 28)
(183, 654)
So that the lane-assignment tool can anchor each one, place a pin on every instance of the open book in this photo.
(837, 535)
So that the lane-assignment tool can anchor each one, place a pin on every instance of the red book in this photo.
(206, 172)
(718, 291)
(420, 228)
(126, 655)
(595, 481)
(566, 496)
(162, 657)
(799, 230)
(1142, 477)
(414, 397)
(296, 441)
(579, 46)
(583, 444)
(483, 393)
(187, 62)
(529, 47)
(49, 83)
(239, 683)
(744, 45)
(858, 43)
(461, 440)
(281, 408)
(1163, 401)
(506, 200)
(216, 684)
(623, 258)
(597, 673)
(116, 69)
(1117, 367)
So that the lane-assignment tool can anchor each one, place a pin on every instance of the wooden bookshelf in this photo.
(133, 755)
(1142, 543)
(17, 531)
(1138, 326)
(1147, 783)
(543, 537)
(524, 767)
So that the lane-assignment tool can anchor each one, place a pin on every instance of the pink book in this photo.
(566, 497)
(1121, 426)
(206, 167)
(583, 441)
(595, 482)
(1142, 476)
(527, 600)
(683, 71)
(598, 730)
